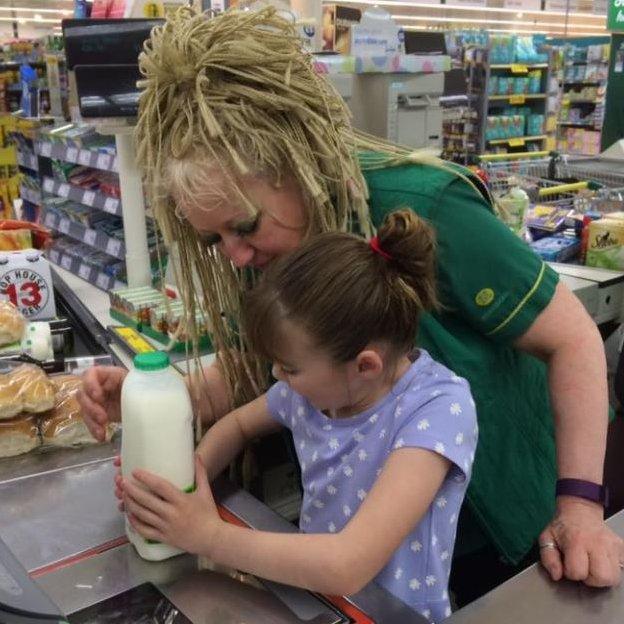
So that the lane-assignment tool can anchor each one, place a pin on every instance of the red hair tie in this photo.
(374, 244)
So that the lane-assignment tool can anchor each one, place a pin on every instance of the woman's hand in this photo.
(100, 398)
(159, 511)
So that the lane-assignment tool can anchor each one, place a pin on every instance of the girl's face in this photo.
(276, 229)
(328, 385)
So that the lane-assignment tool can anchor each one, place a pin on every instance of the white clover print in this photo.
(333, 444)
(434, 540)
(314, 456)
(398, 573)
(455, 409)
(358, 436)
(302, 444)
(306, 518)
(436, 393)
(327, 427)
(382, 434)
(400, 443)
(444, 555)
(361, 494)
(331, 490)
(301, 411)
(423, 425)
(414, 584)
(459, 438)
(346, 510)
(348, 471)
(284, 392)
(439, 448)
(416, 546)
(282, 414)
(441, 502)
(319, 504)
(331, 527)
(374, 418)
(362, 455)
(430, 580)
(456, 379)
(447, 612)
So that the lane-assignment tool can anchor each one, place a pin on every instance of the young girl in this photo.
(384, 435)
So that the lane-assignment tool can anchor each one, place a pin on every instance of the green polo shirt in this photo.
(492, 287)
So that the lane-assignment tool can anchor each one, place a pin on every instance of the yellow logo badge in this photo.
(484, 297)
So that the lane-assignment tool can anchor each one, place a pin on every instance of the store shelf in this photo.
(90, 274)
(579, 124)
(590, 83)
(517, 141)
(34, 197)
(98, 240)
(579, 63)
(526, 96)
(93, 199)
(85, 157)
(519, 66)
(27, 160)
(567, 101)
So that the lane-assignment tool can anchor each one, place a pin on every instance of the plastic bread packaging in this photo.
(64, 425)
(25, 389)
(12, 323)
(18, 436)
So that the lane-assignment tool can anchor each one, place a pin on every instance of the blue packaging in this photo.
(557, 248)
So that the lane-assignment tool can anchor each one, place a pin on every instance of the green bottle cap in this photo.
(152, 361)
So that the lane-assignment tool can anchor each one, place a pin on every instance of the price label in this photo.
(63, 190)
(90, 237)
(32, 161)
(66, 262)
(46, 149)
(113, 247)
(519, 69)
(64, 225)
(517, 99)
(519, 142)
(115, 164)
(103, 161)
(49, 220)
(84, 271)
(54, 255)
(48, 185)
(84, 157)
(102, 281)
(88, 198)
(111, 205)
(72, 154)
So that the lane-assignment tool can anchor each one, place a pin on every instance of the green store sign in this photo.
(615, 19)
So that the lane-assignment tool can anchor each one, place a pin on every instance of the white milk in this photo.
(157, 433)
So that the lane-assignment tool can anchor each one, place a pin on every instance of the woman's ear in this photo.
(369, 364)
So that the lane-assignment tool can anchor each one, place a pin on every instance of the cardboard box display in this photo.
(337, 22)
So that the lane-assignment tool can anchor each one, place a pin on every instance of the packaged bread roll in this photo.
(10, 400)
(18, 436)
(64, 426)
(34, 389)
(12, 323)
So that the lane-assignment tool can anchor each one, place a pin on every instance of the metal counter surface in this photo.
(58, 504)
(532, 598)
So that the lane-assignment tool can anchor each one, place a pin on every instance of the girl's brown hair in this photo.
(345, 294)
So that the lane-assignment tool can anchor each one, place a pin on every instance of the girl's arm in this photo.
(340, 563)
(228, 436)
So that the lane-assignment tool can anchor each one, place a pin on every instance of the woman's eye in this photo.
(209, 239)
(249, 226)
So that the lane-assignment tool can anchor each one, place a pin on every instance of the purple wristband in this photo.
(583, 489)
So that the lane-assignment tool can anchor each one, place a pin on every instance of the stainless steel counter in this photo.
(532, 598)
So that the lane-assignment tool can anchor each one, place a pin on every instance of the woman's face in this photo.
(276, 229)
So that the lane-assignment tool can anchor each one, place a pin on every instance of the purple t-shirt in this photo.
(429, 407)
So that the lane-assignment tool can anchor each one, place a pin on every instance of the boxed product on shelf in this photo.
(534, 124)
(502, 49)
(535, 81)
(135, 303)
(526, 52)
(557, 248)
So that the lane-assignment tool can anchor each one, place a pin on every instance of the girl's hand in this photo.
(160, 511)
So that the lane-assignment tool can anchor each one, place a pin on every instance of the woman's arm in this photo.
(567, 339)
(340, 563)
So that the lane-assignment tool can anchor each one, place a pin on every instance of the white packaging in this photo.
(157, 433)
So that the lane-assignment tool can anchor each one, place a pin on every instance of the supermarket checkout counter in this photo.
(601, 291)
(532, 598)
(61, 532)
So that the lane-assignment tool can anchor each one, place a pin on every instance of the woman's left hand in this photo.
(165, 514)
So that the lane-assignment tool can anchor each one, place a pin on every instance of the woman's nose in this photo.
(237, 250)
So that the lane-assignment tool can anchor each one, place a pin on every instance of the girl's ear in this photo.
(369, 364)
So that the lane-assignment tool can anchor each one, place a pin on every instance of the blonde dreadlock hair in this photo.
(236, 95)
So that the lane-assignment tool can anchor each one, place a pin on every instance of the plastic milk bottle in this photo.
(157, 433)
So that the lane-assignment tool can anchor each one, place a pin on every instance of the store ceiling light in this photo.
(454, 7)
(519, 31)
(38, 17)
(23, 20)
(471, 20)
(30, 10)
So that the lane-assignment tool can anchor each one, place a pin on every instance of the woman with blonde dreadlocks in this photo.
(247, 152)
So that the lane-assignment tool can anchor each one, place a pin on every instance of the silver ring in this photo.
(548, 545)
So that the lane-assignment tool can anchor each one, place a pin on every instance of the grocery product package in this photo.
(25, 388)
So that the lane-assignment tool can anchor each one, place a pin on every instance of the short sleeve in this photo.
(446, 424)
(486, 273)
(280, 399)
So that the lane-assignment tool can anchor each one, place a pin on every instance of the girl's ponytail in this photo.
(409, 241)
